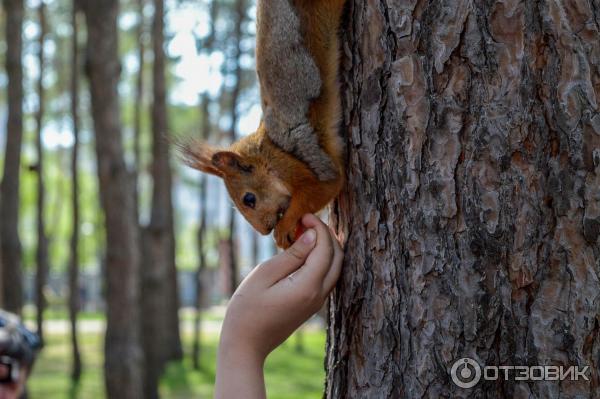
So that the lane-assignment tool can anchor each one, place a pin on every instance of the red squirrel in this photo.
(293, 163)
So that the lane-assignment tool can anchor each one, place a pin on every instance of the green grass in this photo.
(288, 373)
(50, 378)
(59, 313)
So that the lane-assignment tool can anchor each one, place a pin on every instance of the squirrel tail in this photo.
(337, 6)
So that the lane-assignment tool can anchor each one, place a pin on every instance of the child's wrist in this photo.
(240, 352)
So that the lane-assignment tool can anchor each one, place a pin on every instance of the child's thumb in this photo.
(302, 247)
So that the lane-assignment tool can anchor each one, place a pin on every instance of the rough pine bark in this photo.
(74, 303)
(41, 254)
(10, 245)
(471, 216)
(123, 354)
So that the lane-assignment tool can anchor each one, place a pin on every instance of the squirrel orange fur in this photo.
(293, 164)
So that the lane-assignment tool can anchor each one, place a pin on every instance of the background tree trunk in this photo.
(254, 248)
(159, 291)
(240, 17)
(123, 355)
(200, 294)
(10, 245)
(200, 272)
(139, 104)
(205, 130)
(76, 367)
(42, 266)
(471, 213)
(160, 130)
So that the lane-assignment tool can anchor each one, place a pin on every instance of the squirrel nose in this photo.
(267, 230)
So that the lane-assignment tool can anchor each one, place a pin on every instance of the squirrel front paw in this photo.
(287, 231)
(284, 236)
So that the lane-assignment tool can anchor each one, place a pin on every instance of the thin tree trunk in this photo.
(299, 341)
(150, 372)
(42, 240)
(76, 366)
(10, 245)
(200, 272)
(150, 319)
(254, 249)
(123, 354)
(200, 294)
(232, 249)
(472, 210)
(240, 12)
(139, 104)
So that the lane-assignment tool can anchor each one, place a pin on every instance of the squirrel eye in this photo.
(249, 200)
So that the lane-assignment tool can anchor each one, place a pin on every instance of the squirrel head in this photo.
(258, 193)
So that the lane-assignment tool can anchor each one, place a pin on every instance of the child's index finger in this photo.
(287, 262)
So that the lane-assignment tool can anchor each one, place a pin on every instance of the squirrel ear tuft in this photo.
(198, 155)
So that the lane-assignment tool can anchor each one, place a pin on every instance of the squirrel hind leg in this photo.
(288, 74)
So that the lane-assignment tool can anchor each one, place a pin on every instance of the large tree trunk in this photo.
(472, 211)
(42, 267)
(159, 290)
(10, 245)
(123, 355)
(76, 365)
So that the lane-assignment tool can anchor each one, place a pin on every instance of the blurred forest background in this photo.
(114, 252)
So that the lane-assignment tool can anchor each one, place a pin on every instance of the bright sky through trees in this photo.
(195, 73)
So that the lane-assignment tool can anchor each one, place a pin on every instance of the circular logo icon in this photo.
(465, 373)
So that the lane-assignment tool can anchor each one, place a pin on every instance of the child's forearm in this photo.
(239, 372)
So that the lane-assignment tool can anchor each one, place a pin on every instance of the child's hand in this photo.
(271, 303)
(274, 300)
